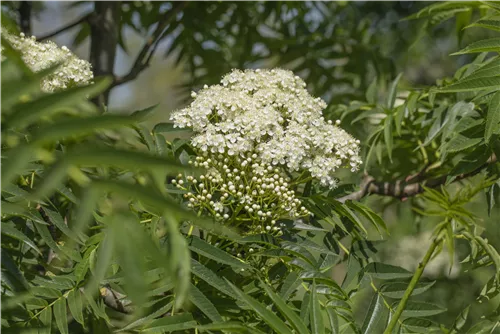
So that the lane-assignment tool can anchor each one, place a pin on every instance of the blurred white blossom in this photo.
(270, 113)
(39, 56)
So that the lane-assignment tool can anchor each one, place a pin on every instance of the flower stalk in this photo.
(416, 277)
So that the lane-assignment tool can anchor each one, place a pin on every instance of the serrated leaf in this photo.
(493, 117)
(488, 23)
(333, 319)
(9, 230)
(61, 316)
(28, 113)
(388, 135)
(231, 327)
(205, 249)
(211, 278)
(421, 309)
(13, 272)
(486, 45)
(460, 143)
(391, 96)
(397, 289)
(376, 316)
(286, 311)
(265, 314)
(472, 85)
(46, 319)
(290, 284)
(482, 327)
(316, 323)
(386, 271)
(171, 323)
(418, 325)
(75, 305)
(460, 321)
(204, 304)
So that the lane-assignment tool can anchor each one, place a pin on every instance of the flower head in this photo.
(40, 56)
(269, 112)
(252, 131)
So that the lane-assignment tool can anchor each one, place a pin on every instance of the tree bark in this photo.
(104, 30)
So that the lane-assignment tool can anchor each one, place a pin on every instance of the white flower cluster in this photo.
(241, 190)
(40, 56)
(269, 113)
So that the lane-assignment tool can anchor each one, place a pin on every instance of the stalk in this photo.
(418, 273)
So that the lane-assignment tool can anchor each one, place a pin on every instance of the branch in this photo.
(84, 18)
(143, 59)
(402, 189)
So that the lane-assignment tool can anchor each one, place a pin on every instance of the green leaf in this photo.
(462, 20)
(482, 327)
(180, 265)
(421, 309)
(171, 323)
(28, 113)
(75, 127)
(211, 278)
(290, 284)
(231, 327)
(417, 325)
(205, 249)
(374, 218)
(46, 319)
(61, 316)
(376, 317)
(391, 96)
(75, 305)
(315, 314)
(269, 317)
(204, 304)
(388, 135)
(488, 23)
(460, 143)
(12, 273)
(9, 230)
(334, 321)
(371, 92)
(485, 45)
(386, 271)
(397, 289)
(493, 117)
(286, 311)
(460, 321)
(57, 220)
(471, 85)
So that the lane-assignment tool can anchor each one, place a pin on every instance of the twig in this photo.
(84, 18)
(115, 300)
(143, 59)
(402, 189)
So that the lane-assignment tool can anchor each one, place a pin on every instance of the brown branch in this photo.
(143, 59)
(402, 189)
(82, 19)
(115, 300)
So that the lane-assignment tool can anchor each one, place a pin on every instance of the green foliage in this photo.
(95, 239)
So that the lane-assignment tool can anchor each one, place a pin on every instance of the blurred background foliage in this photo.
(349, 53)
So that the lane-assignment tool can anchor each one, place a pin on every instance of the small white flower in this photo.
(41, 56)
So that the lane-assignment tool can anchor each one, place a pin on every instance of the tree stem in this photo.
(418, 273)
